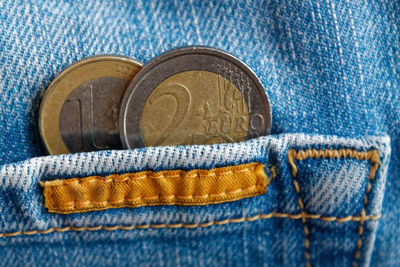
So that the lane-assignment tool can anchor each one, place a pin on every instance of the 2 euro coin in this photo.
(194, 95)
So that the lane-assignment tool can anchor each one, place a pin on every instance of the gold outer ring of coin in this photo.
(75, 75)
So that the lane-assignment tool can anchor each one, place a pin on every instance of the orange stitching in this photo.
(99, 193)
(156, 197)
(150, 176)
(372, 156)
(291, 154)
(189, 226)
(374, 161)
(129, 205)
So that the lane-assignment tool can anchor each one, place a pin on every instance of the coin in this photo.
(80, 109)
(194, 95)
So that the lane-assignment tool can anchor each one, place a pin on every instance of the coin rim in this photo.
(52, 89)
(181, 51)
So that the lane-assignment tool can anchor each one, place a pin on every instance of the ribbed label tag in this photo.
(169, 187)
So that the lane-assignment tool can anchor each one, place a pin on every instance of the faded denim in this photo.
(331, 70)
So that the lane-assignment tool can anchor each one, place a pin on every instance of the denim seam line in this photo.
(372, 156)
(194, 225)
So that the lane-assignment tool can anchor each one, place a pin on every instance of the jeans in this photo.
(331, 70)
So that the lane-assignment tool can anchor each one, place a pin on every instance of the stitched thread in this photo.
(125, 205)
(372, 156)
(374, 161)
(171, 187)
(156, 197)
(189, 226)
(291, 154)
(117, 178)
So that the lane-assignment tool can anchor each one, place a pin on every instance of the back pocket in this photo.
(319, 201)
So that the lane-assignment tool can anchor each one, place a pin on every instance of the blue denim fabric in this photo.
(332, 72)
(230, 239)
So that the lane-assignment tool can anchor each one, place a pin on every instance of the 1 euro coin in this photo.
(80, 109)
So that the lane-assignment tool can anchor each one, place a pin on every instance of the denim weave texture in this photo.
(266, 229)
(331, 70)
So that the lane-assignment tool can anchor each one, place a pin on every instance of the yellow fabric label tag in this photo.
(170, 187)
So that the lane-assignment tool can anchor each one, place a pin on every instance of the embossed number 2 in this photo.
(183, 98)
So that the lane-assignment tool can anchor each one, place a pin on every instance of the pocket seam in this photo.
(372, 156)
(257, 217)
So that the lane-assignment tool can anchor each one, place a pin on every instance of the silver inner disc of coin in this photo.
(89, 116)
